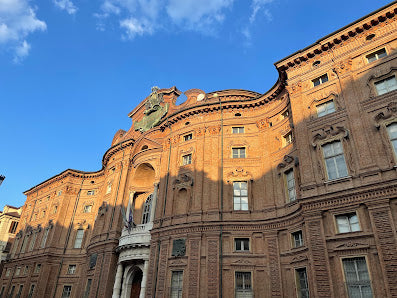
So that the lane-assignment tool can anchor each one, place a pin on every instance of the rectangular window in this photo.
(13, 227)
(187, 159)
(357, 278)
(386, 85)
(25, 270)
(297, 239)
(55, 209)
(325, 108)
(44, 239)
(243, 285)
(301, 283)
(176, 284)
(377, 55)
(33, 241)
(19, 293)
(87, 208)
(8, 272)
(320, 80)
(90, 192)
(290, 185)
(109, 188)
(14, 247)
(239, 129)
(334, 160)
(285, 114)
(12, 292)
(238, 152)
(87, 288)
(18, 271)
(24, 243)
(2, 291)
(66, 292)
(347, 223)
(79, 238)
(187, 137)
(287, 139)
(31, 291)
(240, 195)
(241, 244)
(37, 269)
(392, 130)
(72, 269)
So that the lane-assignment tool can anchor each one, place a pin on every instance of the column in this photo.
(144, 277)
(117, 281)
(154, 202)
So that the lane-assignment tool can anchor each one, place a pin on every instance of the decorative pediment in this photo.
(287, 160)
(324, 97)
(343, 66)
(387, 116)
(263, 123)
(242, 262)
(329, 134)
(299, 258)
(239, 173)
(183, 180)
(178, 262)
(350, 245)
(294, 88)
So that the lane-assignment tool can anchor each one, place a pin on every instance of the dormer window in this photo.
(188, 137)
(376, 55)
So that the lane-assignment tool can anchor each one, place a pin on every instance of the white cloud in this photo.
(18, 20)
(135, 27)
(258, 5)
(66, 5)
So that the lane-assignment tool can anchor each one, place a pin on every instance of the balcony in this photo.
(137, 237)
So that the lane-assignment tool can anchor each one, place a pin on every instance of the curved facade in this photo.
(235, 193)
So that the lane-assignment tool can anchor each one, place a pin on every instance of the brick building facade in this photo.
(290, 193)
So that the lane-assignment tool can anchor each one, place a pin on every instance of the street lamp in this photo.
(2, 177)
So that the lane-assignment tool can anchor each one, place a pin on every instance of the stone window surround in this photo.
(360, 255)
(376, 78)
(249, 250)
(336, 213)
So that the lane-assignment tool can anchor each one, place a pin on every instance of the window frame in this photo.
(369, 282)
(320, 80)
(179, 286)
(91, 192)
(391, 139)
(385, 79)
(72, 268)
(187, 159)
(146, 210)
(87, 208)
(334, 158)
(327, 110)
(188, 137)
(238, 129)
(288, 139)
(244, 291)
(347, 214)
(242, 245)
(76, 239)
(287, 188)
(376, 55)
(298, 284)
(238, 197)
(240, 153)
(294, 240)
(69, 293)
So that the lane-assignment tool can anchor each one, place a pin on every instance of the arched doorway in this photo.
(136, 280)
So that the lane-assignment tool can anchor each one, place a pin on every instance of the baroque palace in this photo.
(290, 193)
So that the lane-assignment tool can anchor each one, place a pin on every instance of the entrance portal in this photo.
(136, 284)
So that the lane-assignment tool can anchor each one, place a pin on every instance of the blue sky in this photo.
(71, 70)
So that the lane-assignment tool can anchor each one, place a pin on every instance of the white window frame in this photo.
(109, 188)
(66, 291)
(90, 192)
(297, 241)
(44, 239)
(87, 208)
(393, 139)
(37, 268)
(240, 196)
(187, 159)
(351, 222)
(388, 85)
(243, 243)
(147, 208)
(288, 139)
(377, 55)
(239, 152)
(321, 80)
(238, 129)
(78, 240)
(72, 269)
(333, 159)
(187, 137)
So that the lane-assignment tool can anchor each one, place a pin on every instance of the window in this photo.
(32, 242)
(386, 85)
(87, 288)
(187, 159)
(238, 152)
(187, 137)
(59, 193)
(55, 209)
(79, 238)
(48, 198)
(320, 80)
(347, 223)
(325, 108)
(377, 55)
(14, 247)
(31, 291)
(240, 195)
(109, 188)
(287, 139)
(2, 291)
(357, 278)
(87, 208)
(239, 129)
(24, 243)
(8, 272)
(176, 284)
(18, 271)
(42, 213)
(334, 160)
(90, 192)
(44, 239)
(146, 210)
(66, 292)
(285, 114)
(25, 270)
(297, 239)
(301, 283)
(243, 285)
(72, 269)
(392, 130)
(13, 227)
(290, 185)
(12, 292)
(37, 269)
(241, 244)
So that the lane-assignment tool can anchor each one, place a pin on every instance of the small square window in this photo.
(325, 108)
(187, 159)
(376, 55)
(297, 239)
(90, 192)
(238, 152)
(239, 129)
(287, 139)
(320, 80)
(37, 269)
(285, 114)
(188, 137)
(87, 208)
(386, 85)
(347, 223)
(241, 244)
(72, 269)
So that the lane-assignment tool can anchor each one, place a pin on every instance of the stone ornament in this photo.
(183, 181)
(329, 134)
(178, 247)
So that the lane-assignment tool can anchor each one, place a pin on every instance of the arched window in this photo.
(146, 210)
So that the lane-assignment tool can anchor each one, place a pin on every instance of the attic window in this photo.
(369, 37)
(187, 123)
(144, 147)
(92, 181)
(237, 115)
(316, 63)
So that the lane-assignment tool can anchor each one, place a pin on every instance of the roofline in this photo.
(333, 33)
